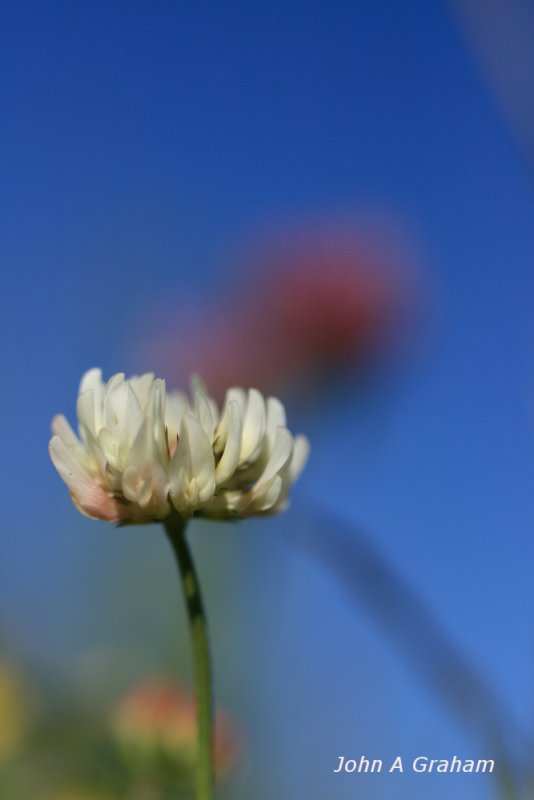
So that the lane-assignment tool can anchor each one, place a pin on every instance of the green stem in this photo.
(175, 530)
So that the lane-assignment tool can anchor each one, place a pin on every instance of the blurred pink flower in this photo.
(157, 719)
(145, 454)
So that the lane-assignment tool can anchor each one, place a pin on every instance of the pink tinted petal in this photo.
(90, 498)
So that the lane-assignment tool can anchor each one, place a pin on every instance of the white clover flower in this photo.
(144, 454)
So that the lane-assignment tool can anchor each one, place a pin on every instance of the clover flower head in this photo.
(143, 453)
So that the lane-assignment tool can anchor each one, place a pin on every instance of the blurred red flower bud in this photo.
(318, 300)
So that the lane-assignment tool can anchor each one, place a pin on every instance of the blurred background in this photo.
(331, 201)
